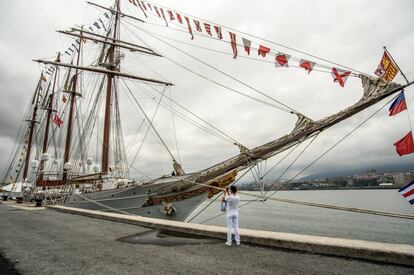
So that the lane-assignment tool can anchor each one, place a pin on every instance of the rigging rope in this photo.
(283, 158)
(328, 68)
(156, 36)
(336, 144)
(307, 203)
(297, 157)
(218, 195)
(221, 71)
(313, 162)
(225, 137)
(264, 39)
(149, 121)
(232, 140)
(286, 109)
(173, 126)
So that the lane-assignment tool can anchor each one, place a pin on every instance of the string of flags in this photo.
(387, 70)
(95, 26)
(74, 47)
(99, 24)
(405, 145)
(408, 192)
(282, 60)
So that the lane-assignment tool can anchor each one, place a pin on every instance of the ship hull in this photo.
(175, 204)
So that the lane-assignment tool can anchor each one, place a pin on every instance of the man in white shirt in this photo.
(232, 214)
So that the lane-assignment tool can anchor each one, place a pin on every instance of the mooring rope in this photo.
(321, 205)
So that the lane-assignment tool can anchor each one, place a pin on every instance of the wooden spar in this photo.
(48, 117)
(265, 151)
(134, 49)
(117, 43)
(32, 124)
(104, 71)
(117, 12)
(108, 101)
(71, 110)
(116, 40)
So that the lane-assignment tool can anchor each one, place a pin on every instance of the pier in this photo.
(43, 240)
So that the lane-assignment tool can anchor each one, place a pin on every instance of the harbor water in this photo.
(294, 218)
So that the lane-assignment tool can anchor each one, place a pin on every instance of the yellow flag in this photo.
(387, 69)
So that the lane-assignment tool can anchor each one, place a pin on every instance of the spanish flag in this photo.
(386, 69)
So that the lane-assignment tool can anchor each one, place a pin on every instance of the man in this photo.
(232, 214)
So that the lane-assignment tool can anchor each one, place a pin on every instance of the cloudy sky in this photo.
(351, 33)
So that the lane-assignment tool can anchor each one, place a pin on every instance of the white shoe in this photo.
(237, 243)
(228, 243)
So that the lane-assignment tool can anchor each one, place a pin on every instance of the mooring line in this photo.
(320, 205)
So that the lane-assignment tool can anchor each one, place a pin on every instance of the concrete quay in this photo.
(49, 242)
(368, 250)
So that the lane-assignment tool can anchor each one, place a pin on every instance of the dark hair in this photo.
(233, 189)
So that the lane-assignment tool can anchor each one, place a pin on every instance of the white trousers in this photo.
(233, 222)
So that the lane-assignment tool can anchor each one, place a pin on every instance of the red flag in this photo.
(405, 145)
(281, 60)
(156, 10)
(208, 28)
(398, 105)
(263, 50)
(307, 65)
(197, 25)
(233, 44)
(340, 76)
(179, 18)
(189, 27)
(218, 31)
(171, 14)
(247, 43)
(163, 16)
(57, 120)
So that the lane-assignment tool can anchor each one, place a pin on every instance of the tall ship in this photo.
(71, 147)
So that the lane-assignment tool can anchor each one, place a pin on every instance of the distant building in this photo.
(370, 172)
(399, 179)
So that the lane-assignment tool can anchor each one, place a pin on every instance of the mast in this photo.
(48, 118)
(73, 95)
(32, 124)
(110, 77)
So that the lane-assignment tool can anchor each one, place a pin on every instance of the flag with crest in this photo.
(386, 69)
